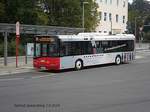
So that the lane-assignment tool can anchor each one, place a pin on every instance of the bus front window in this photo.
(37, 50)
(53, 50)
(46, 50)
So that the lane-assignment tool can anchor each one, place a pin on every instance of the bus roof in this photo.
(95, 36)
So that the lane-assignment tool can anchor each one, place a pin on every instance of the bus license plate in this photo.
(43, 68)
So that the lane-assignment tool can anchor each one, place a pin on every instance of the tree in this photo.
(2, 11)
(139, 11)
(138, 5)
(69, 13)
(20, 10)
(25, 11)
(147, 22)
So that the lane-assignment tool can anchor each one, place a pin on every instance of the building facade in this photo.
(113, 15)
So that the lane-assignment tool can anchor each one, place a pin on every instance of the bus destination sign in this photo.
(44, 39)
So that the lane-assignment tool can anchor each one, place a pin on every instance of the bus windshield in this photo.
(46, 49)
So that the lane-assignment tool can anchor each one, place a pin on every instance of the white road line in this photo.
(36, 77)
(139, 57)
(11, 79)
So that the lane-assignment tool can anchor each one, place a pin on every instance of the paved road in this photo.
(107, 88)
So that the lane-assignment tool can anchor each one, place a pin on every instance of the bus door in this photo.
(99, 57)
(67, 59)
(94, 57)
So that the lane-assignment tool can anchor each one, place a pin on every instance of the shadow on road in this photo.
(85, 68)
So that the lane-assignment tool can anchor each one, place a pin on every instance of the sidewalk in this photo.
(11, 67)
(142, 46)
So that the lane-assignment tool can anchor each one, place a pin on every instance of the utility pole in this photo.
(135, 29)
(5, 48)
(83, 21)
(17, 41)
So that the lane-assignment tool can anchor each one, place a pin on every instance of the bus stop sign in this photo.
(17, 28)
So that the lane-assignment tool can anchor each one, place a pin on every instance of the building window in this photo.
(100, 15)
(105, 16)
(101, 1)
(110, 17)
(124, 3)
(123, 19)
(117, 2)
(117, 18)
(105, 1)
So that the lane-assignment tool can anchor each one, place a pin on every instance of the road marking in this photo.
(36, 77)
(139, 57)
(11, 79)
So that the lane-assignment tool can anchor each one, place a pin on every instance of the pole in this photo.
(83, 16)
(26, 54)
(17, 41)
(111, 26)
(17, 46)
(83, 21)
(135, 28)
(5, 48)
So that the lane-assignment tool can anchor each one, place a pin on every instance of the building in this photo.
(113, 15)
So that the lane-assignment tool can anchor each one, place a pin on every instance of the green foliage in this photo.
(1, 49)
(66, 13)
(69, 13)
(11, 48)
(21, 10)
(2, 10)
(139, 11)
(147, 36)
(147, 22)
(49, 12)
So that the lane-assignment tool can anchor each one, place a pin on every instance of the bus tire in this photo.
(78, 65)
(118, 60)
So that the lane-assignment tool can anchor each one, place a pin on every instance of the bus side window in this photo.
(62, 49)
(65, 49)
(99, 48)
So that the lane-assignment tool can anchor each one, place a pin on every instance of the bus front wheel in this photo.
(78, 65)
(118, 60)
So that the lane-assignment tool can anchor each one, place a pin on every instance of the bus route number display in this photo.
(44, 39)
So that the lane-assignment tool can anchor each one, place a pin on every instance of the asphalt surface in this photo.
(106, 88)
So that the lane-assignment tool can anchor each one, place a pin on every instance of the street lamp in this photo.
(83, 3)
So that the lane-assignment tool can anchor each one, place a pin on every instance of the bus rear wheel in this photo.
(78, 65)
(118, 60)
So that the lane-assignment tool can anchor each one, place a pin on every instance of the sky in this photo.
(132, 0)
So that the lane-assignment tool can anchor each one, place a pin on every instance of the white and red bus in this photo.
(85, 49)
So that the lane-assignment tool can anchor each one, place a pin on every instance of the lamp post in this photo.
(83, 3)
(135, 26)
